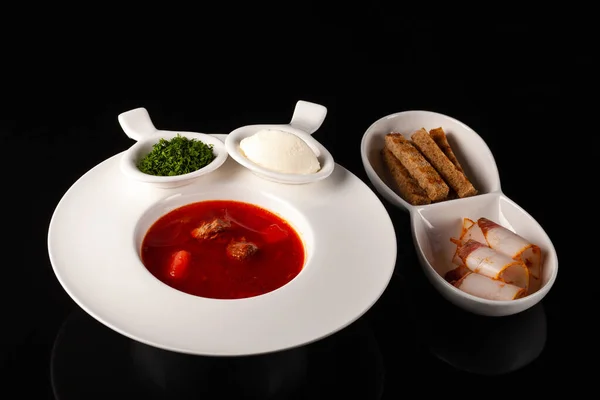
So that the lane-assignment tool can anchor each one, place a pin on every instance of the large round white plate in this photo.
(97, 227)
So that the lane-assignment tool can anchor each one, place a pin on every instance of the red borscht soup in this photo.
(223, 250)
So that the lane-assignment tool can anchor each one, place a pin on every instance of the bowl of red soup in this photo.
(224, 245)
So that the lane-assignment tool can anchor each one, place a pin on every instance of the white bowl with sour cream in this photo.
(284, 153)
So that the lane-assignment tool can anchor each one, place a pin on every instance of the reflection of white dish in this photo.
(351, 256)
(501, 346)
(434, 224)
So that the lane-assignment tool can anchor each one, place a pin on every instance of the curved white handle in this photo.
(136, 123)
(308, 116)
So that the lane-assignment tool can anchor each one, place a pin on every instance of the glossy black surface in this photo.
(62, 121)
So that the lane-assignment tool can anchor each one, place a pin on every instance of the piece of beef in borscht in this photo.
(211, 229)
(241, 249)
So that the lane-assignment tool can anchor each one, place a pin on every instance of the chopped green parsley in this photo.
(177, 156)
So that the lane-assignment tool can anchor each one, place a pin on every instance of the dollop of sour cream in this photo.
(280, 151)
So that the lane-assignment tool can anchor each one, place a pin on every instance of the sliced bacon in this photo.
(456, 274)
(507, 242)
(487, 288)
(472, 231)
(455, 258)
(469, 230)
(484, 260)
(467, 224)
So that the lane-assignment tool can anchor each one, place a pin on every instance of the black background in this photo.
(522, 85)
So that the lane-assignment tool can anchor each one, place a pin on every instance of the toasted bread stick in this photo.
(451, 195)
(418, 167)
(439, 137)
(408, 188)
(455, 179)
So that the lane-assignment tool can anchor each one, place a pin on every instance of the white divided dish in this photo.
(434, 224)
(138, 126)
(307, 118)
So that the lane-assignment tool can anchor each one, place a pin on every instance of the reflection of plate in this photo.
(89, 361)
(348, 233)
(484, 345)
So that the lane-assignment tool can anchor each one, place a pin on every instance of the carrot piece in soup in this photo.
(180, 262)
(274, 233)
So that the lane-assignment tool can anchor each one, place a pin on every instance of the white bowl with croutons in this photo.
(478, 248)
(196, 154)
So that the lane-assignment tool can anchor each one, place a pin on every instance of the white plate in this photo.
(434, 224)
(96, 229)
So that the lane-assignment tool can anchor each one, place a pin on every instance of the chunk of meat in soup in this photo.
(241, 249)
(211, 229)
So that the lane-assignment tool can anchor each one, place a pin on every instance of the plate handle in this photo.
(136, 123)
(308, 116)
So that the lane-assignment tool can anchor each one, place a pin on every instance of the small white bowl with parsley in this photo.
(167, 159)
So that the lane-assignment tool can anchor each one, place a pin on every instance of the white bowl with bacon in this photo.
(478, 248)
